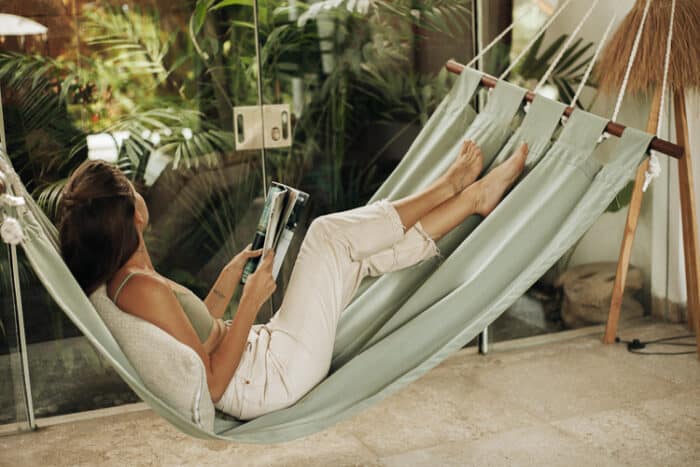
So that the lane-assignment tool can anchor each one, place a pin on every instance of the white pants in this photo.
(291, 354)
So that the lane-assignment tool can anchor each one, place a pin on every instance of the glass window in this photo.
(151, 88)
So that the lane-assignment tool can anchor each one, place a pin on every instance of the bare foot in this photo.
(466, 168)
(490, 189)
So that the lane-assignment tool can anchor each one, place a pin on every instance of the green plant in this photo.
(131, 80)
(568, 71)
(566, 76)
(41, 133)
(371, 81)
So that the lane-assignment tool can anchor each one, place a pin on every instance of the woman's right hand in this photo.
(261, 285)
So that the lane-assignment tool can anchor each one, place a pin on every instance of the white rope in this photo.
(654, 169)
(589, 68)
(493, 42)
(564, 47)
(630, 62)
(534, 39)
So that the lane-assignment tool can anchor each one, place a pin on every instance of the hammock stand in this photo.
(691, 249)
(688, 211)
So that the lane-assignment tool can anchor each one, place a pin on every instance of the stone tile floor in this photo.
(553, 400)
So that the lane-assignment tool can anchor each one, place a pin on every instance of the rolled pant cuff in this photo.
(436, 249)
(392, 214)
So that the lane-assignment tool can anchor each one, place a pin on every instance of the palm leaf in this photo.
(128, 39)
(571, 55)
(48, 196)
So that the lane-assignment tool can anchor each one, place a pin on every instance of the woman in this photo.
(255, 369)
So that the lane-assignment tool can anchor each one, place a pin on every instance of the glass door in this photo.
(360, 78)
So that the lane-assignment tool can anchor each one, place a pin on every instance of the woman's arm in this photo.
(220, 294)
(226, 284)
(150, 298)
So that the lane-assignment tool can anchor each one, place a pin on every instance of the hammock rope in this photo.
(552, 66)
(630, 62)
(654, 169)
(594, 59)
(505, 31)
(565, 46)
(530, 44)
(495, 40)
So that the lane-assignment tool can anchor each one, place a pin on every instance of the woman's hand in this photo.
(238, 261)
(220, 294)
(261, 285)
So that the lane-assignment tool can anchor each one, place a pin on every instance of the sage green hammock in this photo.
(403, 324)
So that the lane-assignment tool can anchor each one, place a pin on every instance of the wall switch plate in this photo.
(255, 127)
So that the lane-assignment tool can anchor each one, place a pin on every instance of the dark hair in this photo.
(97, 232)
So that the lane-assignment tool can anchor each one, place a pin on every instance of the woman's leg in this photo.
(465, 169)
(369, 229)
(339, 250)
(480, 197)
(418, 244)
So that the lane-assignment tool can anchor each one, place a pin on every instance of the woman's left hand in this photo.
(238, 261)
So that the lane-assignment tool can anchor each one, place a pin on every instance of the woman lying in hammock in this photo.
(255, 369)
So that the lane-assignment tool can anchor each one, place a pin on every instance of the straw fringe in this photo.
(648, 69)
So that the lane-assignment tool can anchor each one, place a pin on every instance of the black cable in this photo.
(671, 338)
(635, 345)
(662, 353)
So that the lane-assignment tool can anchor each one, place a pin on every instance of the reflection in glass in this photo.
(152, 90)
(361, 79)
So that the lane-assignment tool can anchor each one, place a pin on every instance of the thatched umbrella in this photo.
(647, 72)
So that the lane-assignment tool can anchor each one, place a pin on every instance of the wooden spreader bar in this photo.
(657, 144)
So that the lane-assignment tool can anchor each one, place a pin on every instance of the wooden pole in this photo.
(689, 216)
(635, 206)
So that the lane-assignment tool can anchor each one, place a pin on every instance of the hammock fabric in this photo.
(403, 324)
